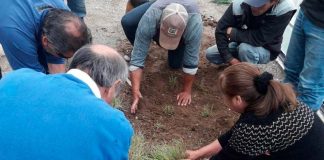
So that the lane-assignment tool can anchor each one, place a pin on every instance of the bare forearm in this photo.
(187, 82)
(136, 79)
(136, 76)
(56, 68)
(210, 150)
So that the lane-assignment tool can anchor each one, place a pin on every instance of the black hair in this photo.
(55, 29)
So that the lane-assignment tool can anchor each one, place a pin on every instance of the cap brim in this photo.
(256, 3)
(169, 43)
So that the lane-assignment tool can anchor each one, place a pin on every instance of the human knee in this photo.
(245, 48)
(247, 53)
(211, 51)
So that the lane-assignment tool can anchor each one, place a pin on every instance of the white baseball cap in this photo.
(174, 20)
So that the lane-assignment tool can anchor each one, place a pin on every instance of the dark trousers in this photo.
(136, 3)
(130, 23)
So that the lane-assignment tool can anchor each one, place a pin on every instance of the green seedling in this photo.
(168, 110)
(206, 112)
(158, 125)
(117, 103)
(173, 81)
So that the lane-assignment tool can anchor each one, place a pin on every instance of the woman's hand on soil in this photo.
(184, 98)
(136, 97)
(191, 155)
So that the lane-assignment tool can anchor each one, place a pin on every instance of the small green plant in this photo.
(222, 1)
(168, 110)
(207, 109)
(117, 103)
(173, 81)
(158, 125)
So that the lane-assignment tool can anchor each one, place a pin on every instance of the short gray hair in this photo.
(102, 68)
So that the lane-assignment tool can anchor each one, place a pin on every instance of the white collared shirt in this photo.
(87, 80)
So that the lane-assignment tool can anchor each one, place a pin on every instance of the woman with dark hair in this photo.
(273, 123)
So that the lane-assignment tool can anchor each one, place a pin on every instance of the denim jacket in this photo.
(147, 29)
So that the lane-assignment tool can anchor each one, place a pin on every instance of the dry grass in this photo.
(117, 103)
(142, 150)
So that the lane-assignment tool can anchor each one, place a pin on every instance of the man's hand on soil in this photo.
(184, 98)
(136, 97)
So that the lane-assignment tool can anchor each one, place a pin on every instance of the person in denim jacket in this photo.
(175, 25)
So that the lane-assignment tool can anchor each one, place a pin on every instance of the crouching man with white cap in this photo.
(175, 25)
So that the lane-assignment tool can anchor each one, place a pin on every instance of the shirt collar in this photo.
(87, 80)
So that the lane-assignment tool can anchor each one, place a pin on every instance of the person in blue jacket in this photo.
(66, 116)
(40, 34)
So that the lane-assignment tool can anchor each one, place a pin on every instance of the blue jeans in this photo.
(304, 64)
(77, 7)
(131, 20)
(244, 52)
(130, 23)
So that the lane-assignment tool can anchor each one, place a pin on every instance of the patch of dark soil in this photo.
(160, 119)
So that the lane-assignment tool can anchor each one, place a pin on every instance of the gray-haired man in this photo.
(66, 116)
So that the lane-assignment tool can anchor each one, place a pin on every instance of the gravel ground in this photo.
(103, 18)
